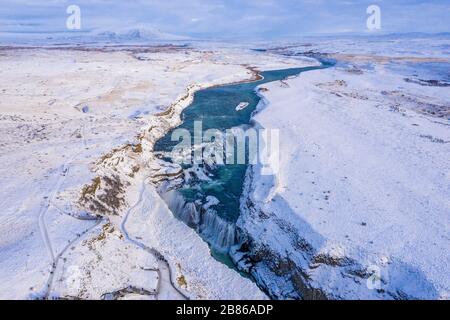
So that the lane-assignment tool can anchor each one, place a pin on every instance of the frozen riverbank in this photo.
(358, 209)
(206, 196)
(360, 205)
(88, 118)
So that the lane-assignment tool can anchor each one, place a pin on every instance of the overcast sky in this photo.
(228, 18)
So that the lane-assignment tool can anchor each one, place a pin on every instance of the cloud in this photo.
(228, 18)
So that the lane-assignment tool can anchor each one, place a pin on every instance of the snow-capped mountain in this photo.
(135, 34)
(131, 35)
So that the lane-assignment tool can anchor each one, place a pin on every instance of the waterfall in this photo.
(185, 211)
(190, 215)
(218, 232)
(175, 202)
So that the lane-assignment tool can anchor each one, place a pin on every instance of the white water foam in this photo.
(218, 232)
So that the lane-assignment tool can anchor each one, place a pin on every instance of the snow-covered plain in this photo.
(361, 205)
(67, 114)
(359, 209)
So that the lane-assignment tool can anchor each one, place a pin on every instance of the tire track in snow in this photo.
(65, 168)
(164, 269)
(44, 209)
(61, 253)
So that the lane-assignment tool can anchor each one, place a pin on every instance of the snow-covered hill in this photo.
(122, 36)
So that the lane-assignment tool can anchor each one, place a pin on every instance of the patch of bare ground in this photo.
(105, 195)
(428, 83)
(338, 88)
(361, 58)
(419, 105)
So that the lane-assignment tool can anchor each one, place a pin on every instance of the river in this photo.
(216, 109)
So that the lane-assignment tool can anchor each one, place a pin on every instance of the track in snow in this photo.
(165, 274)
(65, 168)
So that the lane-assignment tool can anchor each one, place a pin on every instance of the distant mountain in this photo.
(135, 35)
